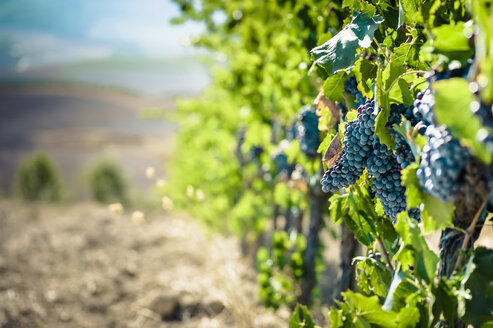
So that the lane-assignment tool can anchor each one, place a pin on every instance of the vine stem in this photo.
(385, 253)
(381, 50)
(401, 76)
(470, 231)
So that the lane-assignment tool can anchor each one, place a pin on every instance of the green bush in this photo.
(38, 180)
(107, 183)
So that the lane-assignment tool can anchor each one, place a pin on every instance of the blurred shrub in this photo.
(107, 182)
(38, 179)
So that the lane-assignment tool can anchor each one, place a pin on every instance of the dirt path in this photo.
(83, 266)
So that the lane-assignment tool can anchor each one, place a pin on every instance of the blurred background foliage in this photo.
(238, 141)
(38, 180)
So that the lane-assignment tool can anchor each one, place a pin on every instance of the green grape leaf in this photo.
(372, 276)
(389, 12)
(382, 109)
(410, 9)
(405, 292)
(338, 205)
(402, 18)
(426, 263)
(436, 214)
(445, 301)
(408, 54)
(452, 102)
(334, 86)
(478, 281)
(410, 181)
(365, 71)
(360, 228)
(408, 317)
(340, 51)
(414, 249)
(389, 300)
(385, 80)
(401, 93)
(335, 317)
(368, 309)
(451, 41)
(301, 318)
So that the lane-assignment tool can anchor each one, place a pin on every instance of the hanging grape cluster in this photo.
(351, 87)
(442, 158)
(358, 140)
(307, 131)
(361, 149)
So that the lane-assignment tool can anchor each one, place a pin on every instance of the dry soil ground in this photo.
(83, 266)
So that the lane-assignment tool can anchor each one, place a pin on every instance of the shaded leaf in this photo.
(479, 308)
(389, 300)
(340, 51)
(365, 70)
(334, 86)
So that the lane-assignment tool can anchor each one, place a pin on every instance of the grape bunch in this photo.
(423, 109)
(307, 131)
(388, 189)
(443, 158)
(362, 149)
(351, 87)
(403, 152)
(358, 139)
(385, 169)
(447, 73)
(442, 161)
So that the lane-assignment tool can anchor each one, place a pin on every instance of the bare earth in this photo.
(83, 266)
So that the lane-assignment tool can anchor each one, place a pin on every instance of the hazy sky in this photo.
(34, 33)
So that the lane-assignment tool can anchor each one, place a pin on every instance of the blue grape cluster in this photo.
(443, 158)
(388, 188)
(351, 87)
(423, 109)
(307, 131)
(362, 149)
(442, 161)
(381, 159)
(384, 167)
(403, 152)
(358, 140)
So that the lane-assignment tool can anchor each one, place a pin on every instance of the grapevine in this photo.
(400, 137)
